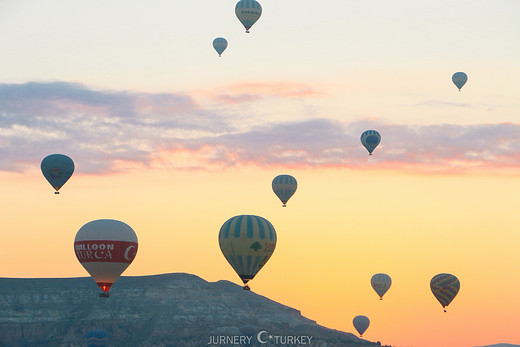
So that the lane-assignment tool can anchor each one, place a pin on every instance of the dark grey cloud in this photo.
(100, 129)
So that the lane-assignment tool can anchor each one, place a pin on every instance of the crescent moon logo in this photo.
(127, 252)
(259, 337)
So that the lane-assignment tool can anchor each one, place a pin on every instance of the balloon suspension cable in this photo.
(444, 310)
(219, 55)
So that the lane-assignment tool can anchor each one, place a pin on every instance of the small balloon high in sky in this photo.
(57, 169)
(220, 44)
(459, 79)
(381, 283)
(284, 186)
(370, 139)
(248, 12)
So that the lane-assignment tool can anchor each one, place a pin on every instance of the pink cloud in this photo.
(107, 131)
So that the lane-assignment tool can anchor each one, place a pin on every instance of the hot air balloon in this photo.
(361, 324)
(97, 338)
(105, 248)
(381, 283)
(247, 243)
(445, 287)
(284, 187)
(370, 139)
(459, 79)
(248, 12)
(220, 45)
(57, 169)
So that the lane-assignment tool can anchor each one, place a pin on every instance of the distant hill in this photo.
(500, 345)
(162, 310)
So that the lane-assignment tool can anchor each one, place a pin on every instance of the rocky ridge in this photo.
(162, 310)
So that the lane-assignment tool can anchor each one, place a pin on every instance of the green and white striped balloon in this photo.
(284, 186)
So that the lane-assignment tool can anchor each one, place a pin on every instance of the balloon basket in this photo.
(104, 295)
(56, 192)
(246, 288)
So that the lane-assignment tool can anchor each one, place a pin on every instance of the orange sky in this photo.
(339, 229)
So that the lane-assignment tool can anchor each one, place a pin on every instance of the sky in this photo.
(173, 140)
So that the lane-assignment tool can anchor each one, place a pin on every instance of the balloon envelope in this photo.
(105, 248)
(459, 79)
(220, 45)
(247, 242)
(97, 338)
(284, 186)
(370, 139)
(361, 324)
(445, 287)
(57, 169)
(248, 12)
(381, 283)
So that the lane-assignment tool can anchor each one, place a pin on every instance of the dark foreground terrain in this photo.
(162, 310)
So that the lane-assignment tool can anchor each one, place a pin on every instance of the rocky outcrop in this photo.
(163, 310)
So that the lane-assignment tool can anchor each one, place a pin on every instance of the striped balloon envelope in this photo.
(284, 186)
(57, 169)
(445, 287)
(381, 283)
(247, 242)
(248, 12)
(105, 248)
(370, 139)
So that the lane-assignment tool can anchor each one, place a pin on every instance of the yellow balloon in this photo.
(247, 242)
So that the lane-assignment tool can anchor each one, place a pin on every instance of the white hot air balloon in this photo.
(248, 12)
(105, 248)
(220, 44)
(381, 283)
